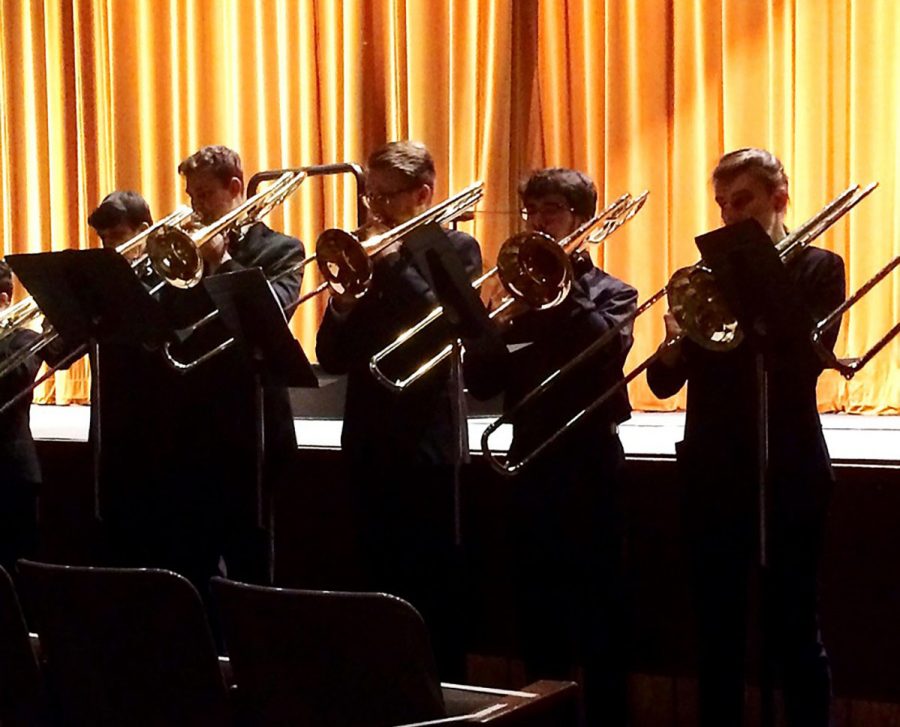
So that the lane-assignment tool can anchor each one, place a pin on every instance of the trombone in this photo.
(849, 367)
(26, 311)
(175, 254)
(534, 269)
(345, 263)
(713, 327)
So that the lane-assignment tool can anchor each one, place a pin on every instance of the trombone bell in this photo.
(344, 263)
(701, 310)
(175, 257)
(535, 269)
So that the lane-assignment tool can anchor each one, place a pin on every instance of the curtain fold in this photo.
(106, 94)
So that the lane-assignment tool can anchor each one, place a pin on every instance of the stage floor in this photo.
(857, 440)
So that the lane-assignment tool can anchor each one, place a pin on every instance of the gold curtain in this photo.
(106, 94)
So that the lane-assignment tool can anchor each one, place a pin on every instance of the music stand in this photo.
(465, 318)
(92, 294)
(754, 282)
(254, 318)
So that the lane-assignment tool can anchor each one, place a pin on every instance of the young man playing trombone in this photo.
(220, 408)
(718, 460)
(399, 447)
(565, 513)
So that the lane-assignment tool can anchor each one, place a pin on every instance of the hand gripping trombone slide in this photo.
(708, 323)
(534, 269)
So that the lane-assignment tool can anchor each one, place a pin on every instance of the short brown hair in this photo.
(411, 158)
(576, 187)
(121, 206)
(762, 164)
(221, 161)
(6, 283)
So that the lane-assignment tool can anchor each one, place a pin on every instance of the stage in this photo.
(852, 439)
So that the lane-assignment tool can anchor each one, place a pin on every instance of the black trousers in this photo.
(567, 533)
(190, 517)
(722, 528)
(404, 515)
(18, 520)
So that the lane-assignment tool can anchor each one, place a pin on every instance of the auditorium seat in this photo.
(125, 646)
(335, 659)
(22, 695)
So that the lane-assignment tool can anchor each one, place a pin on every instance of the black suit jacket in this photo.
(415, 425)
(721, 421)
(18, 458)
(598, 302)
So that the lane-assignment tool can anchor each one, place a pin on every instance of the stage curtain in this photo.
(641, 94)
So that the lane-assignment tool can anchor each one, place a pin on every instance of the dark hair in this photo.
(221, 161)
(411, 158)
(577, 188)
(120, 207)
(762, 164)
(6, 284)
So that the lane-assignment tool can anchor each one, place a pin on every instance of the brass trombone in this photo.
(716, 330)
(849, 367)
(345, 262)
(534, 269)
(175, 254)
(26, 311)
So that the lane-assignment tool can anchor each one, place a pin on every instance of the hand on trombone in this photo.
(214, 252)
(670, 348)
(494, 295)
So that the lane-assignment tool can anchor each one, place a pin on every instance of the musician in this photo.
(221, 410)
(399, 447)
(130, 415)
(20, 471)
(718, 464)
(120, 216)
(566, 521)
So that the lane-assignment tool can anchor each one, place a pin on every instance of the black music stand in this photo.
(754, 281)
(254, 318)
(466, 319)
(256, 321)
(92, 295)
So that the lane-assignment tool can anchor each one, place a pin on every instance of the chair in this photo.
(125, 646)
(22, 695)
(334, 659)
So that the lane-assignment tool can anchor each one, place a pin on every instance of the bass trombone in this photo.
(533, 268)
(714, 327)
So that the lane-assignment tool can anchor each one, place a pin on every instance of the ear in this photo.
(235, 187)
(143, 226)
(780, 200)
(4, 300)
(424, 195)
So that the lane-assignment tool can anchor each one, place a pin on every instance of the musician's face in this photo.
(392, 198)
(551, 214)
(212, 198)
(746, 197)
(114, 236)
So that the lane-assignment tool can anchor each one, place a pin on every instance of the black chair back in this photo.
(22, 695)
(125, 646)
(327, 658)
